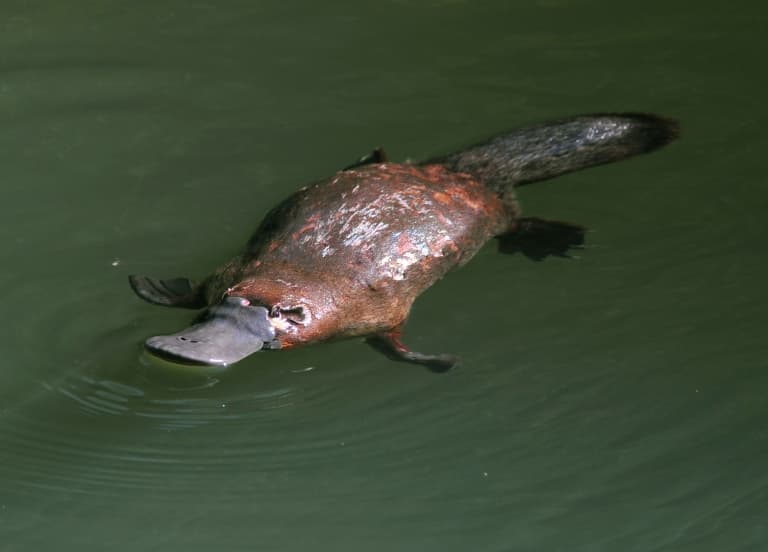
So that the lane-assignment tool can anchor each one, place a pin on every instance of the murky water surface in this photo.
(612, 402)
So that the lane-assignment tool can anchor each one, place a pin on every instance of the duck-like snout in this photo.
(224, 334)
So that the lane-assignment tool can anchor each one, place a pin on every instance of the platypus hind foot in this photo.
(538, 238)
(390, 345)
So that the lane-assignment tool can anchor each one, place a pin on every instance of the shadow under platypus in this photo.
(347, 256)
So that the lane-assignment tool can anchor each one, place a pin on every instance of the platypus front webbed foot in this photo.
(538, 238)
(175, 292)
(390, 345)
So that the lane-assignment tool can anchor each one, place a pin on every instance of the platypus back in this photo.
(544, 151)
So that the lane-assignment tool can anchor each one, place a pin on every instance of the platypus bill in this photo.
(347, 256)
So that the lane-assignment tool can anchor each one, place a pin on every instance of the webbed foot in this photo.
(390, 345)
(174, 292)
(538, 238)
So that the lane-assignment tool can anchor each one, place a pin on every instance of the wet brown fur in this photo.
(356, 250)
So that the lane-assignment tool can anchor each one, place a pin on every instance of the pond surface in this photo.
(612, 402)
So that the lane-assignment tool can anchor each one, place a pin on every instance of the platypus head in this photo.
(253, 315)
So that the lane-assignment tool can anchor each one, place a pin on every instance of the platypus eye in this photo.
(296, 314)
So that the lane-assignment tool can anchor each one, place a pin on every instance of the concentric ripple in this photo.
(101, 417)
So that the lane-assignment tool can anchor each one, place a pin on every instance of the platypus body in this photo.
(348, 256)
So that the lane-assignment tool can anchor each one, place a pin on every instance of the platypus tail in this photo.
(551, 149)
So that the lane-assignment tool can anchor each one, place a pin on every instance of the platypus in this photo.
(347, 256)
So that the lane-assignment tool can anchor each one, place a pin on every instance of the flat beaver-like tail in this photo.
(551, 149)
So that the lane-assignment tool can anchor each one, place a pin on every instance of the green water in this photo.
(611, 403)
